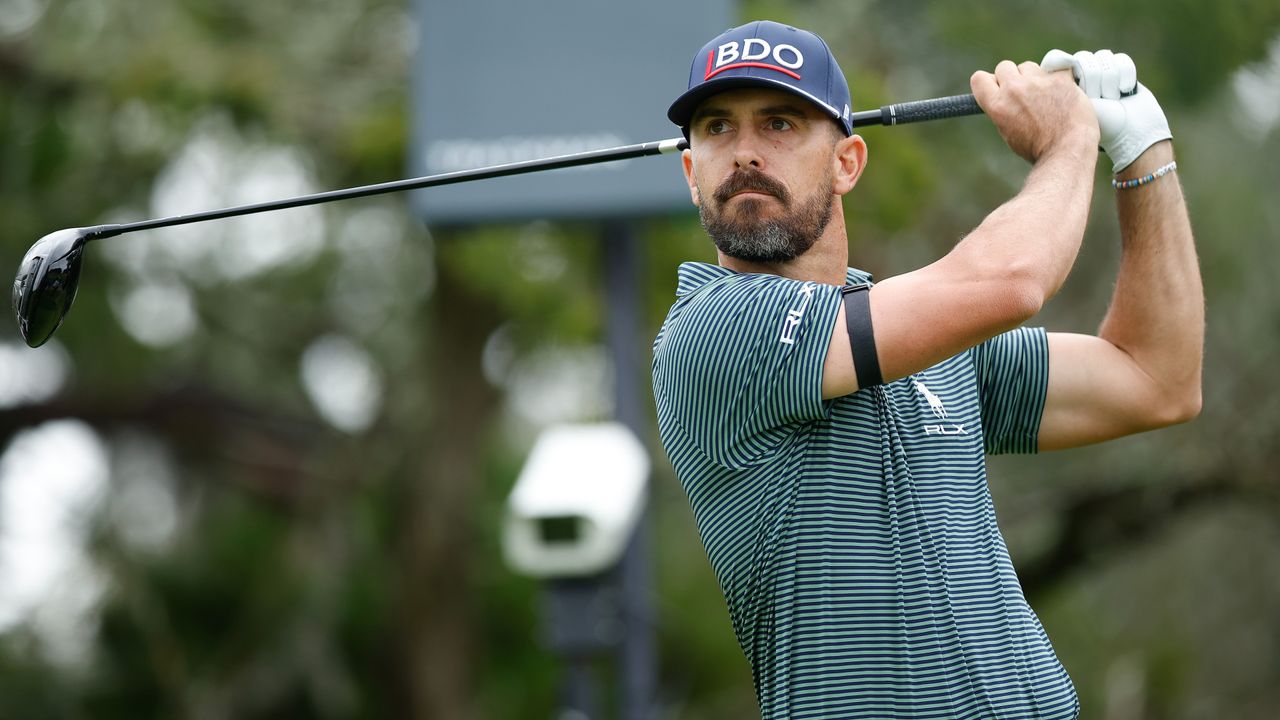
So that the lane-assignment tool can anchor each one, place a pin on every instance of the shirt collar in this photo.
(694, 275)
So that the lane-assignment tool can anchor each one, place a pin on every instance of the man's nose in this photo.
(746, 151)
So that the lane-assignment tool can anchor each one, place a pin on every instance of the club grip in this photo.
(935, 109)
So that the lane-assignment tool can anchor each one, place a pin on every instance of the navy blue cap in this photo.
(766, 54)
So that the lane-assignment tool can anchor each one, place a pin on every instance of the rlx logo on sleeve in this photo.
(754, 52)
(796, 314)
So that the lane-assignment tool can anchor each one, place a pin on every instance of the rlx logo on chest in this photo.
(939, 411)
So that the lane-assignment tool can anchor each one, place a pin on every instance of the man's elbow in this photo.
(1020, 289)
(1025, 298)
(1189, 408)
(1178, 408)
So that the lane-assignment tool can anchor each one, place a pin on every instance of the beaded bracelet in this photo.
(1160, 172)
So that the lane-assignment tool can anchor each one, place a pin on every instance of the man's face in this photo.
(761, 172)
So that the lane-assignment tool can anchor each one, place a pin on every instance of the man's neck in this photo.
(824, 263)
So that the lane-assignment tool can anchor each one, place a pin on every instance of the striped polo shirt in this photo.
(854, 539)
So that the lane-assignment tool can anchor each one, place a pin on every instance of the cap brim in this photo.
(681, 111)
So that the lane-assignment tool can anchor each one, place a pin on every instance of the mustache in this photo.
(751, 180)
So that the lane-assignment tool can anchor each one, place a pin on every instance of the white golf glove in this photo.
(1129, 118)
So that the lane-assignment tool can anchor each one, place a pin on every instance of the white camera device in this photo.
(577, 501)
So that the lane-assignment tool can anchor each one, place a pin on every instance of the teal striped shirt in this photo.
(854, 539)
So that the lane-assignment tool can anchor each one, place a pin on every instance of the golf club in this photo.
(46, 283)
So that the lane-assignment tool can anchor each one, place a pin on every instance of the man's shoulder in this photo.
(694, 276)
(697, 279)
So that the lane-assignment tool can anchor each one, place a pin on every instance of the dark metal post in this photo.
(581, 627)
(623, 272)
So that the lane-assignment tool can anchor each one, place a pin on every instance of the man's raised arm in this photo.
(1143, 369)
(1001, 274)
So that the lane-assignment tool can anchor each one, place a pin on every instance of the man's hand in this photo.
(1129, 118)
(1034, 110)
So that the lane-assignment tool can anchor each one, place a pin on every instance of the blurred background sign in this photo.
(500, 81)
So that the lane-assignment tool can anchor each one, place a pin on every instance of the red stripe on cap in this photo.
(766, 66)
(707, 74)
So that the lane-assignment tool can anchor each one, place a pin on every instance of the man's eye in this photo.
(779, 124)
(715, 127)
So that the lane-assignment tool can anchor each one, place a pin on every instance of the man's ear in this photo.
(686, 161)
(848, 160)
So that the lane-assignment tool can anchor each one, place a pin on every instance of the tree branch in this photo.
(1098, 525)
(205, 426)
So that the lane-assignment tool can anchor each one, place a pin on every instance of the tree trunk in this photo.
(438, 533)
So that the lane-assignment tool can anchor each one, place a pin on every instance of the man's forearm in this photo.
(1157, 311)
(1036, 235)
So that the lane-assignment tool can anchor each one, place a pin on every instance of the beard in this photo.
(744, 235)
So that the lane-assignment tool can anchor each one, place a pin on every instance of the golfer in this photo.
(830, 432)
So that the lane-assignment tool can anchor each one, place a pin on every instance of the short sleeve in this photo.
(738, 364)
(1013, 380)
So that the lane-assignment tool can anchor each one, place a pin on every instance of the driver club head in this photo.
(46, 283)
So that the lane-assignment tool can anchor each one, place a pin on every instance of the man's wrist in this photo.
(1151, 159)
(1075, 140)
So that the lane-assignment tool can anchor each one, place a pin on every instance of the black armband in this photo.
(857, 318)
